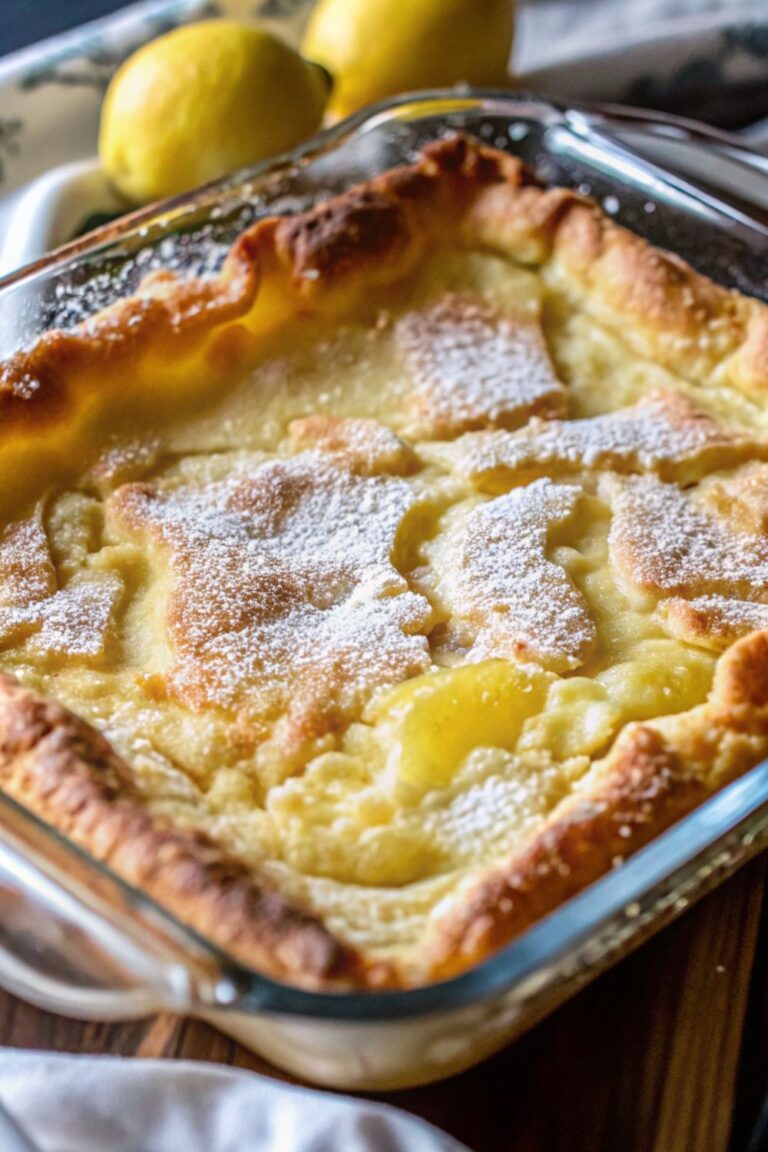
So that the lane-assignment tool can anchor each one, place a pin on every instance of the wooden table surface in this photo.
(666, 1053)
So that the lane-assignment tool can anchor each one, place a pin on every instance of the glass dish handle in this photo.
(72, 945)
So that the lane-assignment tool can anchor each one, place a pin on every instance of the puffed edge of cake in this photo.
(65, 771)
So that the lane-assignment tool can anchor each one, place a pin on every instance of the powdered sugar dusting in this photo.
(72, 621)
(474, 367)
(663, 540)
(506, 598)
(662, 433)
(489, 814)
(284, 599)
(713, 620)
(364, 446)
(26, 570)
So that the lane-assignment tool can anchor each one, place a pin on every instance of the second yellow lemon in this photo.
(202, 101)
(377, 48)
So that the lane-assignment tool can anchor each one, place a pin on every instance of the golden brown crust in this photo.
(670, 541)
(316, 256)
(475, 366)
(373, 234)
(655, 301)
(457, 188)
(646, 791)
(662, 433)
(741, 500)
(739, 700)
(652, 776)
(712, 621)
(488, 563)
(69, 775)
(37, 385)
(364, 446)
(258, 611)
(681, 319)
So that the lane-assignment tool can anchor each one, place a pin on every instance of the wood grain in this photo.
(666, 1053)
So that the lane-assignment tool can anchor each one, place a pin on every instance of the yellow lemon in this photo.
(202, 101)
(377, 48)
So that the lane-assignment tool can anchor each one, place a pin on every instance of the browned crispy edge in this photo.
(654, 774)
(323, 258)
(458, 192)
(67, 773)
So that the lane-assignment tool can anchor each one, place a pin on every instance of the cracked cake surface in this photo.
(365, 601)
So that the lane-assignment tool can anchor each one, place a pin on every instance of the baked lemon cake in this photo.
(365, 601)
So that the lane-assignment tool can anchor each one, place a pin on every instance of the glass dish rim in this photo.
(553, 110)
(590, 910)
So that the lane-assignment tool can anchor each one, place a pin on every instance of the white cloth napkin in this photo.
(115, 1104)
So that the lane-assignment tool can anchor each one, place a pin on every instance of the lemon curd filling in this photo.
(370, 611)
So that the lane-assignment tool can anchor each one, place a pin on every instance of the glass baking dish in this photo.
(76, 939)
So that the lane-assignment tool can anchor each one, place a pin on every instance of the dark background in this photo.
(23, 22)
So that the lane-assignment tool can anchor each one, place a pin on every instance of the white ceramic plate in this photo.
(53, 209)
